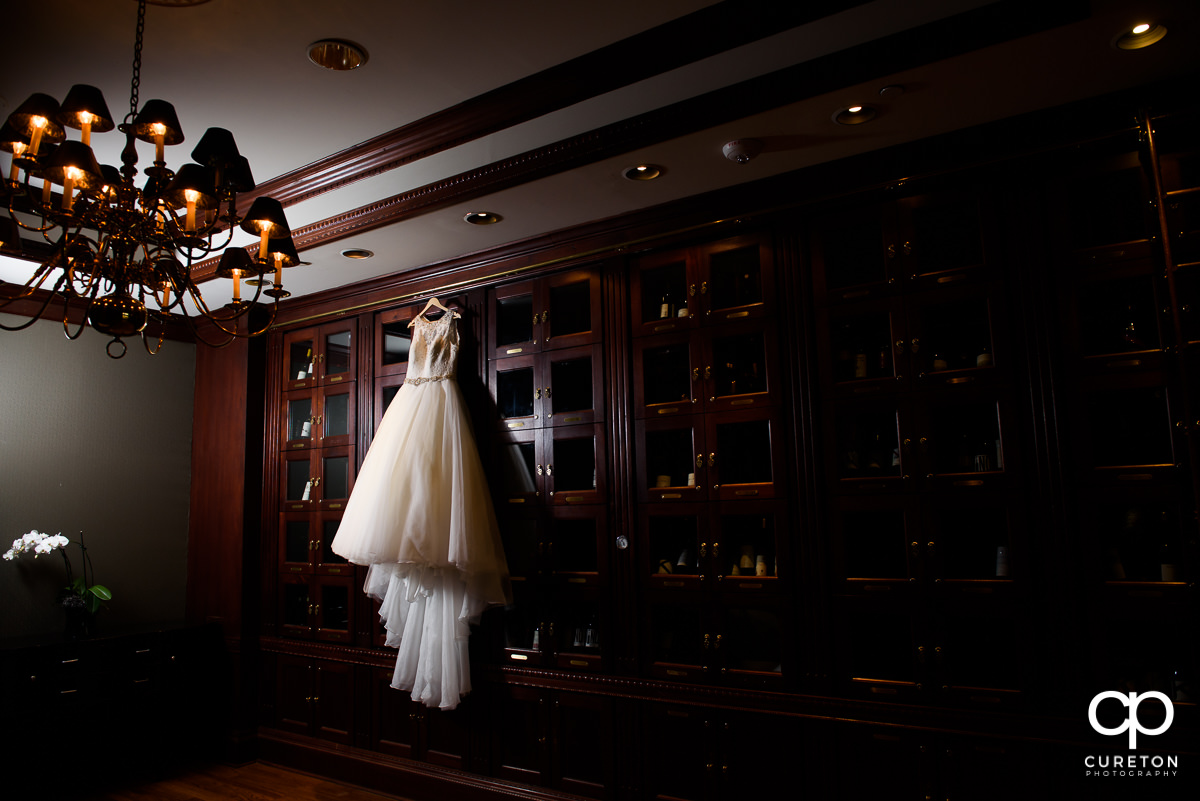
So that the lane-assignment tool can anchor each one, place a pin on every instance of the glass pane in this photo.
(1184, 216)
(852, 249)
(1109, 207)
(517, 468)
(397, 339)
(880, 647)
(670, 458)
(295, 541)
(571, 382)
(570, 308)
(577, 628)
(336, 481)
(335, 607)
(735, 278)
(862, 347)
(973, 543)
(337, 353)
(677, 635)
(664, 292)
(514, 320)
(574, 464)
(521, 627)
(946, 235)
(295, 604)
(753, 640)
(337, 415)
(1150, 656)
(868, 445)
(673, 544)
(328, 532)
(388, 394)
(739, 365)
(978, 652)
(1118, 316)
(520, 546)
(874, 544)
(747, 545)
(1129, 427)
(666, 374)
(297, 479)
(300, 418)
(574, 545)
(300, 360)
(514, 392)
(954, 336)
(966, 438)
(744, 452)
(1141, 542)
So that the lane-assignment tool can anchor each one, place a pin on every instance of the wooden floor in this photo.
(253, 782)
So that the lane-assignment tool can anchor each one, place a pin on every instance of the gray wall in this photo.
(99, 445)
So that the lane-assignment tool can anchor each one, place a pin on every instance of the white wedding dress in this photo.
(420, 516)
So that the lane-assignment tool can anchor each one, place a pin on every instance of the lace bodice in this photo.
(433, 355)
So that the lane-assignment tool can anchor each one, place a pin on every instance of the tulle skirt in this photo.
(420, 515)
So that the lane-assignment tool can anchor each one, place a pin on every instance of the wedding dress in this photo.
(421, 517)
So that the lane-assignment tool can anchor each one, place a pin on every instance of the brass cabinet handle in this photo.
(707, 641)
(316, 482)
(539, 470)
(692, 291)
(708, 371)
(695, 373)
(716, 549)
(703, 287)
(545, 314)
(535, 318)
(717, 644)
(537, 393)
(891, 251)
(900, 346)
(547, 392)
(549, 469)
(699, 460)
(906, 248)
(712, 458)
(916, 344)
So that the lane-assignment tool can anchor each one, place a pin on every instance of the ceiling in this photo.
(533, 109)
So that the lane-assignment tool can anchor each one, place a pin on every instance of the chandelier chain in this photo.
(135, 84)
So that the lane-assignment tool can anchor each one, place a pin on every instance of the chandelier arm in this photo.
(146, 343)
(33, 319)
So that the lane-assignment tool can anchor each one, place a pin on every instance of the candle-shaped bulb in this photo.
(35, 139)
(237, 286)
(159, 131)
(166, 295)
(15, 170)
(46, 192)
(278, 269)
(191, 196)
(86, 118)
(70, 176)
(265, 234)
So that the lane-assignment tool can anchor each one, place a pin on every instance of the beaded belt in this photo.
(428, 378)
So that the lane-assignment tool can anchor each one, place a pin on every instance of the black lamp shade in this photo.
(216, 149)
(38, 105)
(237, 260)
(266, 211)
(83, 98)
(10, 136)
(195, 178)
(237, 176)
(78, 155)
(158, 112)
(10, 235)
(287, 247)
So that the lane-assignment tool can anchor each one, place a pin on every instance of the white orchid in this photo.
(93, 595)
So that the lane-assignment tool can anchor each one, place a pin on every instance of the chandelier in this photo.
(121, 254)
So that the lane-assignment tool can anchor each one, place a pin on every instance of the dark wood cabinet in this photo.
(870, 497)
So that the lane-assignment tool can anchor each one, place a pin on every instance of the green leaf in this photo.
(101, 592)
(78, 587)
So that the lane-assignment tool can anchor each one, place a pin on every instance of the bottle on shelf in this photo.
(1131, 334)
(666, 309)
(1168, 564)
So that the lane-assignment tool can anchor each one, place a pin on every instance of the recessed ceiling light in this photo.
(358, 253)
(1141, 35)
(482, 218)
(337, 55)
(854, 115)
(643, 172)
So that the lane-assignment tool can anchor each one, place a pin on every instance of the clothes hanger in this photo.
(433, 301)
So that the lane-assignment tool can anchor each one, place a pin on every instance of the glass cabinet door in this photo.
(1139, 537)
(1125, 430)
(576, 545)
(738, 367)
(678, 645)
(296, 540)
(751, 639)
(393, 339)
(939, 238)
(300, 359)
(962, 435)
(299, 419)
(952, 332)
(333, 608)
(734, 283)
(664, 292)
(571, 316)
(336, 477)
(877, 548)
(517, 387)
(295, 606)
(572, 388)
(744, 456)
(520, 468)
(868, 452)
(668, 375)
(325, 560)
(336, 414)
(386, 389)
(575, 464)
(515, 320)
(850, 258)
(882, 649)
(524, 545)
(671, 460)
(674, 541)
(337, 352)
(301, 470)
(868, 347)
(744, 546)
